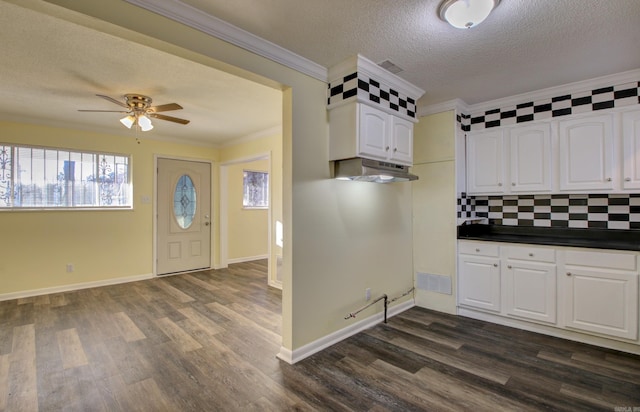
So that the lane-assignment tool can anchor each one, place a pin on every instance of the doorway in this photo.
(183, 216)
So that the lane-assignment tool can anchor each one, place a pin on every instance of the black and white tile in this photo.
(581, 102)
(604, 211)
(358, 85)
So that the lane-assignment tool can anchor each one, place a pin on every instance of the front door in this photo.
(184, 216)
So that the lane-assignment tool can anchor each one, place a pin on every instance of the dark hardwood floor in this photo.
(207, 341)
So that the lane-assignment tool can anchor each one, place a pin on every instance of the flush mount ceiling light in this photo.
(465, 14)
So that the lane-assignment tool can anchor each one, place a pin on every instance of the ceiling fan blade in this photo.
(165, 107)
(108, 111)
(112, 100)
(169, 118)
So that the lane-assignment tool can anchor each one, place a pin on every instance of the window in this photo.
(256, 190)
(45, 178)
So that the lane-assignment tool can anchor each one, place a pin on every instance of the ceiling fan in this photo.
(139, 111)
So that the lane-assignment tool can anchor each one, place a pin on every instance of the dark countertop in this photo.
(554, 236)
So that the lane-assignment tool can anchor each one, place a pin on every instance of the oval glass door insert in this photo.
(184, 202)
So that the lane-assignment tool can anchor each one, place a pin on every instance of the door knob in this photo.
(495, 265)
(509, 267)
(207, 223)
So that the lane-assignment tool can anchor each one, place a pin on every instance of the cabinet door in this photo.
(479, 279)
(631, 133)
(530, 158)
(485, 162)
(530, 290)
(587, 153)
(602, 301)
(401, 151)
(374, 133)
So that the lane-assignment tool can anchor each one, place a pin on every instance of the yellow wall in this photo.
(248, 228)
(434, 206)
(272, 147)
(102, 245)
(340, 237)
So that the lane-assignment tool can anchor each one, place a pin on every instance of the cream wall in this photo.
(434, 206)
(102, 245)
(248, 235)
(340, 237)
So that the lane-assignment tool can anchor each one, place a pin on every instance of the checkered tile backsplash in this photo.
(371, 90)
(582, 102)
(605, 211)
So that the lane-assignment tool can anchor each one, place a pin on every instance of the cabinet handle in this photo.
(509, 267)
(495, 265)
(477, 250)
(499, 184)
(530, 254)
(608, 179)
(386, 149)
(568, 273)
(395, 149)
(513, 184)
(627, 179)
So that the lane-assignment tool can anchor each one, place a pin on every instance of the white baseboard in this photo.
(316, 346)
(72, 287)
(246, 259)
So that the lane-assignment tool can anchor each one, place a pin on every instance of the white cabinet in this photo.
(587, 153)
(512, 160)
(601, 293)
(530, 158)
(530, 283)
(359, 130)
(479, 276)
(591, 291)
(631, 145)
(485, 162)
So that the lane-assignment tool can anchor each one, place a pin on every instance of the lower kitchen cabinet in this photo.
(479, 282)
(530, 290)
(603, 300)
(589, 291)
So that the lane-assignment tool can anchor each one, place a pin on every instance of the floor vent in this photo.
(433, 283)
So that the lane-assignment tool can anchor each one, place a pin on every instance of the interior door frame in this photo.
(224, 203)
(155, 207)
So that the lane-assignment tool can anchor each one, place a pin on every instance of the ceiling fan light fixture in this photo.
(145, 123)
(128, 121)
(465, 14)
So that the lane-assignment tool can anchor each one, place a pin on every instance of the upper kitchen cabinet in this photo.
(587, 153)
(485, 162)
(530, 158)
(371, 113)
(511, 160)
(631, 144)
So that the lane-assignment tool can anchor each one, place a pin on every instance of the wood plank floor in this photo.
(207, 341)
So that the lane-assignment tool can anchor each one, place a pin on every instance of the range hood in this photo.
(367, 170)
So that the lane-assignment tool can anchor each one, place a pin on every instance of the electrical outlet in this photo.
(69, 267)
(367, 293)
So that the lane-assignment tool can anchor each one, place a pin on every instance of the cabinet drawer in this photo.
(537, 254)
(592, 258)
(478, 249)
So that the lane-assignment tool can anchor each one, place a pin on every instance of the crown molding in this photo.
(183, 13)
(456, 104)
(548, 93)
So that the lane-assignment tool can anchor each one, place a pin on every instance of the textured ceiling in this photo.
(524, 45)
(46, 78)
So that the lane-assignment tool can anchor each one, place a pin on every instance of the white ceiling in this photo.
(52, 67)
(524, 45)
